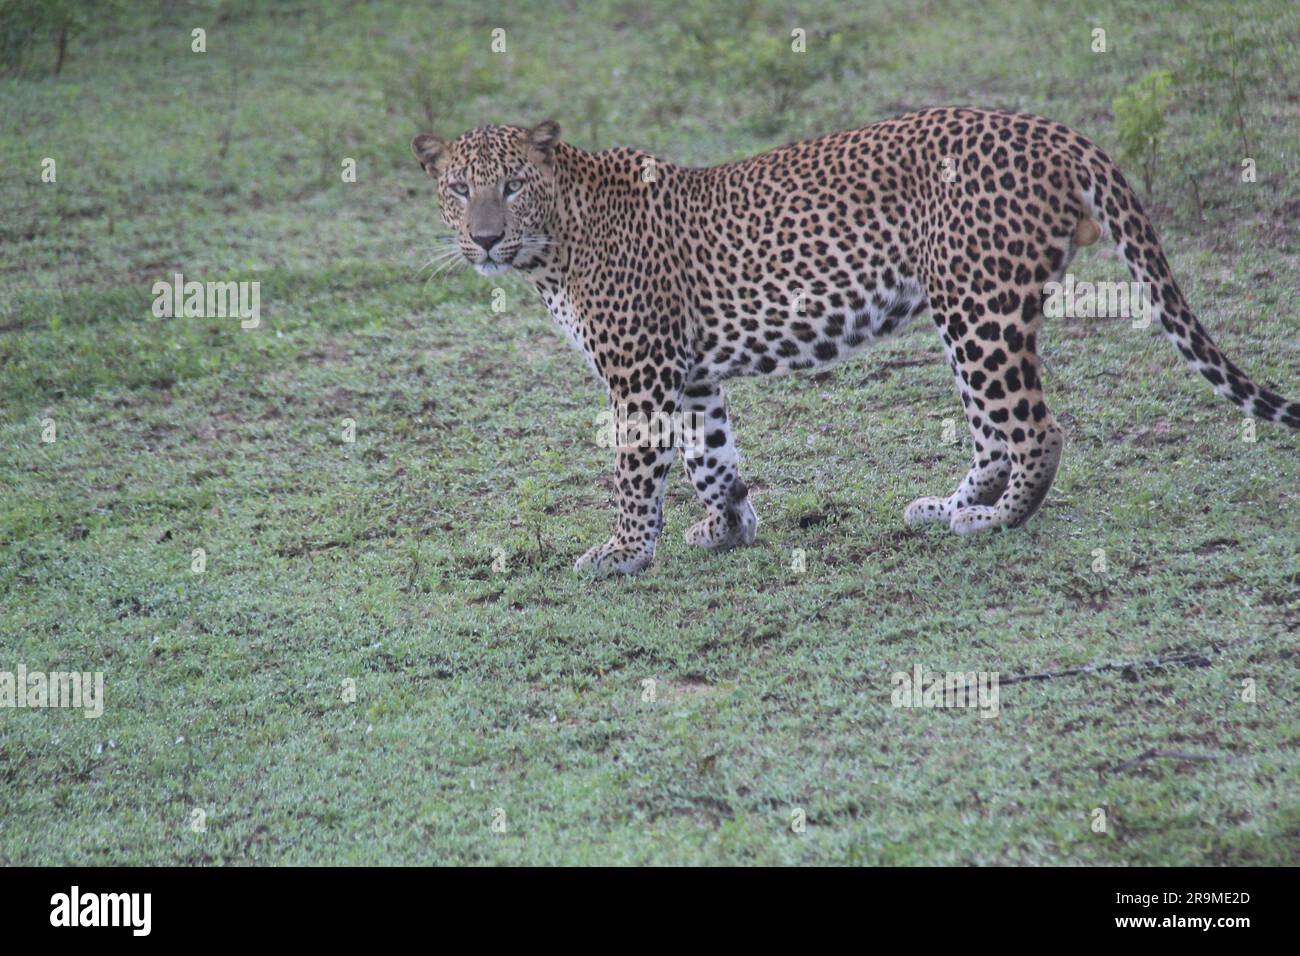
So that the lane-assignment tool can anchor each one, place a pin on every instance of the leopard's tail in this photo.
(1114, 205)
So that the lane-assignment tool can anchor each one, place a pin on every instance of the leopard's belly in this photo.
(808, 331)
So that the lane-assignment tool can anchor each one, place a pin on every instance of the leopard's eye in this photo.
(460, 189)
(512, 186)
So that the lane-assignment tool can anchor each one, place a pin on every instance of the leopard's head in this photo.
(497, 191)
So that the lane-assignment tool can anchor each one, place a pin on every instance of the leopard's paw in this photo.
(924, 511)
(722, 532)
(613, 557)
(974, 518)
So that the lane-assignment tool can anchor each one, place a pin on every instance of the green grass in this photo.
(520, 686)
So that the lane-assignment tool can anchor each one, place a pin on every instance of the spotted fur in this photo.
(672, 280)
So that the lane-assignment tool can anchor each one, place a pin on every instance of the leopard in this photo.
(672, 279)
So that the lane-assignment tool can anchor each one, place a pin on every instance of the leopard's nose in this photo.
(487, 242)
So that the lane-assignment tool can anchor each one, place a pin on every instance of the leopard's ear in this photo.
(542, 139)
(431, 152)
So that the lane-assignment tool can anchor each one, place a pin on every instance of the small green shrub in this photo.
(1140, 121)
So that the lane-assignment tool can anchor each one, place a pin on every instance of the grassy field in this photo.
(427, 563)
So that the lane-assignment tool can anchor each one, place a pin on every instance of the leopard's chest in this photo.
(569, 322)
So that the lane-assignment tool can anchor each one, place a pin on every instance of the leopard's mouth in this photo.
(495, 261)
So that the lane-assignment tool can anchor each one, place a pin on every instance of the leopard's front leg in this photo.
(713, 469)
(645, 456)
(639, 476)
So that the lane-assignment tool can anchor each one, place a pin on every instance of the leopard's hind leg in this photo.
(990, 326)
(988, 474)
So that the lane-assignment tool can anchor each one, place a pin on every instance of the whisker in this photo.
(434, 258)
(438, 258)
(447, 267)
